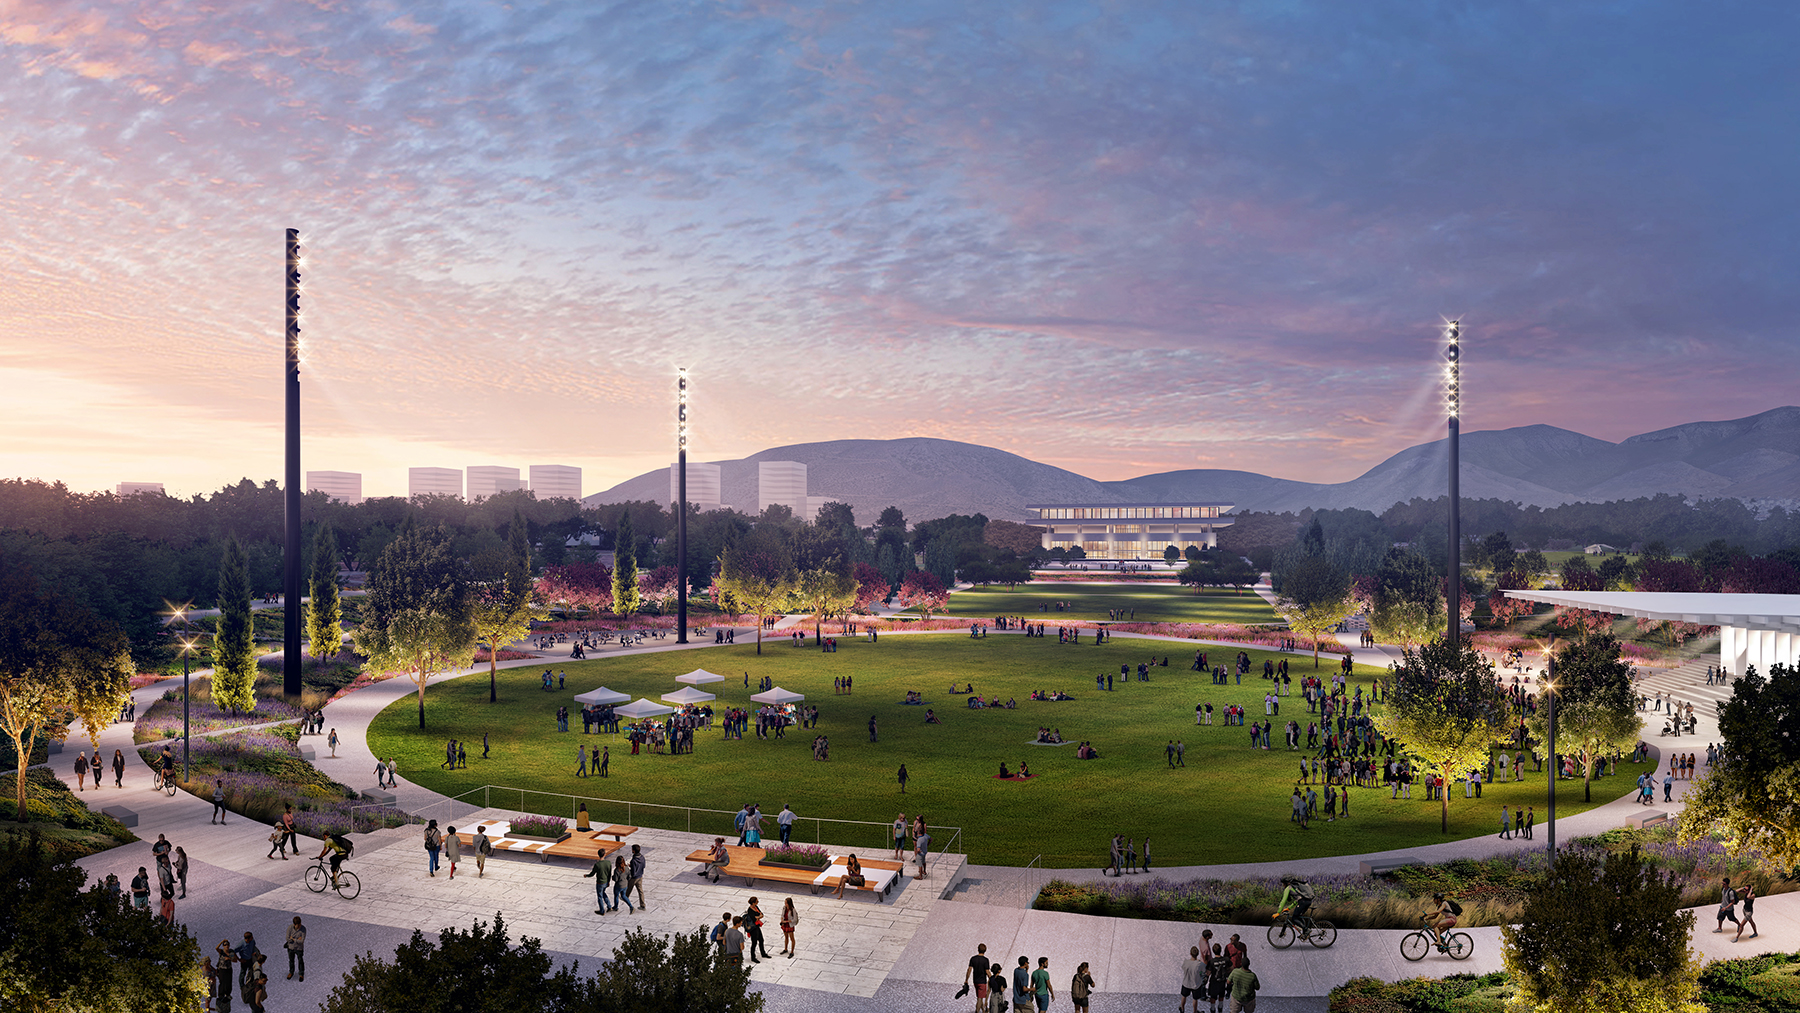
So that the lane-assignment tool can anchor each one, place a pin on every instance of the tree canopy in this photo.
(1315, 597)
(1596, 707)
(1448, 709)
(756, 577)
(1409, 599)
(418, 616)
(1752, 797)
(503, 609)
(234, 645)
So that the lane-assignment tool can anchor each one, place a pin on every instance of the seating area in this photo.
(879, 876)
(581, 844)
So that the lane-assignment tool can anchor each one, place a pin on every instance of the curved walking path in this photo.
(855, 955)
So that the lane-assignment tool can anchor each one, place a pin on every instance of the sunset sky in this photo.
(1115, 237)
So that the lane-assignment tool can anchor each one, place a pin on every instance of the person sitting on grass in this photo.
(931, 717)
(1024, 771)
(1004, 773)
(1011, 704)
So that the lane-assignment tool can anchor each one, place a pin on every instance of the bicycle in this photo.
(319, 877)
(1414, 945)
(165, 783)
(1318, 932)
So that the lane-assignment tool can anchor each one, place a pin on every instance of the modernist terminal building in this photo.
(1129, 530)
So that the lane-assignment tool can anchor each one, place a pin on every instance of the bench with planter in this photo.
(582, 844)
(879, 876)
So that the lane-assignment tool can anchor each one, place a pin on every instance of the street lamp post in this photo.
(681, 434)
(179, 615)
(1555, 765)
(1453, 410)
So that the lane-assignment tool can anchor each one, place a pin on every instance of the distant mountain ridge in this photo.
(1756, 458)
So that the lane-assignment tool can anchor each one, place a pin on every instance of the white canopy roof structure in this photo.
(602, 695)
(699, 677)
(1754, 629)
(779, 695)
(643, 709)
(688, 694)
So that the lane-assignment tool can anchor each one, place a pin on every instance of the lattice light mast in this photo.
(681, 438)
(1453, 412)
(290, 554)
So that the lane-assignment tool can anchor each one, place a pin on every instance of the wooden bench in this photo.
(614, 831)
(582, 844)
(879, 876)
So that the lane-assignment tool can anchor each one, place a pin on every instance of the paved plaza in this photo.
(853, 954)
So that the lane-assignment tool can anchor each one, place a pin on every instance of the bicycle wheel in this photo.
(348, 886)
(1414, 946)
(171, 786)
(316, 879)
(1323, 934)
(1282, 935)
(1459, 945)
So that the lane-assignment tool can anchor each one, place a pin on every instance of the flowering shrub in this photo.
(263, 772)
(162, 719)
(799, 854)
(481, 655)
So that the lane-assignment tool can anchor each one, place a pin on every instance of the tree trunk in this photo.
(421, 698)
(22, 747)
(759, 628)
(1444, 799)
(493, 675)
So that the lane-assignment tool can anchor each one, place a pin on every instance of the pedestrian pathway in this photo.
(855, 955)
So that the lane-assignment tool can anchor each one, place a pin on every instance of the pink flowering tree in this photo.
(923, 591)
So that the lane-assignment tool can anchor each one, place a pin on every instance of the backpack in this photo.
(1455, 908)
(343, 842)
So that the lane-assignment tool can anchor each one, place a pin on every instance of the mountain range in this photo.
(1756, 459)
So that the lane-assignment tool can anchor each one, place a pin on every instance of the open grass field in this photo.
(1155, 603)
(1229, 803)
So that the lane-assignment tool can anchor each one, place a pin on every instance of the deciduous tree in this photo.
(1315, 597)
(418, 617)
(923, 591)
(756, 578)
(234, 645)
(1752, 799)
(871, 586)
(576, 586)
(1506, 609)
(1448, 709)
(1409, 599)
(1596, 708)
(503, 610)
(824, 592)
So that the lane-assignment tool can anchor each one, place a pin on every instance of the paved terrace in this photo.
(855, 955)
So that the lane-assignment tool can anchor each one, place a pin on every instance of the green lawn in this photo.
(1227, 805)
(1155, 603)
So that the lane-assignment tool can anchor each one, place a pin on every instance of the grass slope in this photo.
(1155, 603)
(1228, 805)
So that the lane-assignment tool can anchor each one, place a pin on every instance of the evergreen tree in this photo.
(234, 645)
(625, 569)
(324, 611)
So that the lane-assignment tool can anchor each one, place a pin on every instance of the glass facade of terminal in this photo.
(1129, 530)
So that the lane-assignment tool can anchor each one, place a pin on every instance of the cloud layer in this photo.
(1116, 237)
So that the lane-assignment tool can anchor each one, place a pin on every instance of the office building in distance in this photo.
(781, 482)
(1129, 530)
(486, 480)
(434, 482)
(341, 486)
(555, 481)
(133, 488)
(705, 489)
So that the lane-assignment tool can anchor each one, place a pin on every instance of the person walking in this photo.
(81, 770)
(1243, 983)
(434, 842)
(181, 868)
(166, 890)
(978, 969)
(753, 922)
(118, 768)
(218, 802)
(786, 822)
(601, 874)
(605, 759)
(1505, 825)
(872, 737)
(296, 948)
(483, 848)
(581, 761)
(637, 880)
(1728, 899)
(902, 776)
(1023, 997)
(790, 920)
(246, 954)
(1041, 988)
(922, 846)
(1749, 921)
(621, 880)
(1081, 986)
(899, 836)
(996, 987)
(734, 942)
(332, 741)
(452, 850)
(1528, 821)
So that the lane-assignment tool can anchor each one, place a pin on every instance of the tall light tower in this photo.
(1453, 409)
(290, 555)
(681, 434)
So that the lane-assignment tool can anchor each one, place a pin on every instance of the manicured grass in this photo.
(1155, 603)
(1228, 805)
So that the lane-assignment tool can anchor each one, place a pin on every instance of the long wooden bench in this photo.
(582, 844)
(879, 877)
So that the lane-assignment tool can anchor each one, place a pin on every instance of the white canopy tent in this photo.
(779, 695)
(643, 709)
(688, 694)
(699, 677)
(601, 695)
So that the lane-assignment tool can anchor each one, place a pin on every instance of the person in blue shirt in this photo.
(1024, 994)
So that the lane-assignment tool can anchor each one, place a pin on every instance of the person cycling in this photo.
(339, 848)
(166, 767)
(1441, 918)
(1295, 900)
